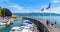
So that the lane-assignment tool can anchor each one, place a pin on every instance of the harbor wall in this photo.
(41, 27)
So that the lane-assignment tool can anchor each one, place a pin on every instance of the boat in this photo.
(21, 29)
(27, 22)
(26, 29)
(15, 29)
(7, 20)
(2, 25)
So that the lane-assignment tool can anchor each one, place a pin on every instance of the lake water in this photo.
(8, 28)
(19, 22)
(50, 18)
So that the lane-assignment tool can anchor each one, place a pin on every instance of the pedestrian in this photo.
(52, 24)
(55, 24)
(47, 22)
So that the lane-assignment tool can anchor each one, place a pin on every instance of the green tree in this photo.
(0, 11)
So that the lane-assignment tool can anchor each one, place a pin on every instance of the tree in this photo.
(0, 11)
(6, 12)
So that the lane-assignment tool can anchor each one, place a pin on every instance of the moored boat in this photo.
(27, 22)
(2, 25)
(15, 29)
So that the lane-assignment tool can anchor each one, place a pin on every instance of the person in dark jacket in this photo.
(47, 22)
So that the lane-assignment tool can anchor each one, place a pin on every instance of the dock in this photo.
(35, 28)
(50, 28)
(42, 26)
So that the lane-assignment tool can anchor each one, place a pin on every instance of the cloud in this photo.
(3, 1)
(56, 10)
(13, 7)
(56, 1)
(53, 10)
(16, 7)
(19, 9)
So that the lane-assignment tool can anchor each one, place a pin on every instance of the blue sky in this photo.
(29, 6)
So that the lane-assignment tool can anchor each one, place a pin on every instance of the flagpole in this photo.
(49, 8)
(43, 15)
(50, 16)
(50, 13)
(42, 12)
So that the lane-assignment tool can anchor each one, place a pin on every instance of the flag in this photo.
(42, 9)
(48, 6)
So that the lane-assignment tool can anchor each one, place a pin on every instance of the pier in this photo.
(41, 25)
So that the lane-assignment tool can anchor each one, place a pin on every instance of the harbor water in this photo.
(19, 22)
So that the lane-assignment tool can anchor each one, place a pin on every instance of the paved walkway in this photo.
(35, 28)
(50, 28)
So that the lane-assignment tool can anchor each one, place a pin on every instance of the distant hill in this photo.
(36, 14)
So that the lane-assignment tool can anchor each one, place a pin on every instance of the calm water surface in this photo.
(8, 28)
(19, 22)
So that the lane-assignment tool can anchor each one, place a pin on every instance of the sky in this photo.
(31, 6)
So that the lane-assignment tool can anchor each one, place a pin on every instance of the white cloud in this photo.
(19, 9)
(56, 10)
(56, 1)
(16, 7)
(53, 10)
(4, 1)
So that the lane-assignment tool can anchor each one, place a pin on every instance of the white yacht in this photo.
(26, 29)
(2, 25)
(21, 29)
(15, 29)
(27, 22)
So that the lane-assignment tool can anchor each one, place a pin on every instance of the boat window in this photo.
(13, 29)
(18, 30)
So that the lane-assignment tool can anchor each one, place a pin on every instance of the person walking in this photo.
(48, 23)
(55, 24)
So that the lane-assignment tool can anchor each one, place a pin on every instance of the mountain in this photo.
(36, 14)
